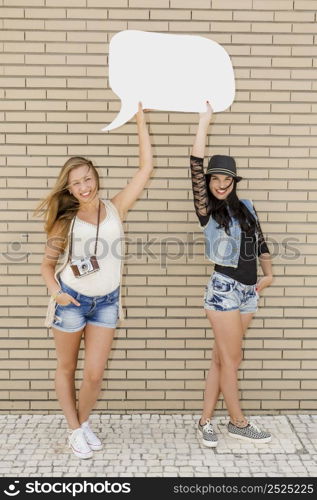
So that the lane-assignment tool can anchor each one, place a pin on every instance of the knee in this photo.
(238, 361)
(67, 369)
(93, 378)
(231, 362)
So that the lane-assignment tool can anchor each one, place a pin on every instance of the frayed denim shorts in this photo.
(101, 310)
(226, 294)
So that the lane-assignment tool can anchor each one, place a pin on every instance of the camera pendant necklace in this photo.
(87, 265)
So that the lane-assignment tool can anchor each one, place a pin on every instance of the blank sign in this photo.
(168, 73)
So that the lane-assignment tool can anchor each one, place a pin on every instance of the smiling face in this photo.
(221, 185)
(82, 183)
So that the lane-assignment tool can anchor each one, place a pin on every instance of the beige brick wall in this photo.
(55, 98)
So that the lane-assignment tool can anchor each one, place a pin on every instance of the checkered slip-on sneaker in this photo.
(207, 434)
(249, 433)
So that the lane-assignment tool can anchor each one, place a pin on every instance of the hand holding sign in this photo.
(169, 73)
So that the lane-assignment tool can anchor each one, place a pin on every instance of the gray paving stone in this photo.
(156, 445)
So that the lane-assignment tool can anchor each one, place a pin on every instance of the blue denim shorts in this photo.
(226, 294)
(101, 310)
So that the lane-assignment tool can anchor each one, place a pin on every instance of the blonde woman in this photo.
(85, 287)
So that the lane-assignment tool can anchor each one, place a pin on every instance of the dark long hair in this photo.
(223, 210)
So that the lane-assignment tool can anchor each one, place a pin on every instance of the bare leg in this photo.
(212, 388)
(67, 347)
(98, 341)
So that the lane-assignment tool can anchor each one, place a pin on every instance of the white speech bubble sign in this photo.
(168, 73)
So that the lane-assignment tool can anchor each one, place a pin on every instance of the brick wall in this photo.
(55, 99)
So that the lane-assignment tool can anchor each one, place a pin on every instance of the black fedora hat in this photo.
(223, 164)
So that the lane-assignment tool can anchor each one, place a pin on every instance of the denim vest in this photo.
(221, 248)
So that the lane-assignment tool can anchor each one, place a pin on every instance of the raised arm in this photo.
(200, 188)
(127, 196)
(199, 145)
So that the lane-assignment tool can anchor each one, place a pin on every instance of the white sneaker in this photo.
(78, 443)
(91, 438)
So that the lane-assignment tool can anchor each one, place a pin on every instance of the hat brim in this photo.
(236, 177)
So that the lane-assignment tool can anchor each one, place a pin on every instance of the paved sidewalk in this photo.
(158, 446)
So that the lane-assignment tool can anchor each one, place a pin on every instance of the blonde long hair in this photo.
(60, 205)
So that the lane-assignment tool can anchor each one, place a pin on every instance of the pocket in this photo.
(256, 293)
(63, 307)
(67, 289)
(222, 286)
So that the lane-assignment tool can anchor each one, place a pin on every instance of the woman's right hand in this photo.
(206, 115)
(140, 118)
(64, 299)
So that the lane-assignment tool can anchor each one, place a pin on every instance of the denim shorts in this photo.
(226, 294)
(101, 310)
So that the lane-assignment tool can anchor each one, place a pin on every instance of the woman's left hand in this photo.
(263, 283)
(206, 116)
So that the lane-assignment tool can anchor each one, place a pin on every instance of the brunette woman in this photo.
(234, 241)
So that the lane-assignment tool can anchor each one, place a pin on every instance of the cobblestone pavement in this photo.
(158, 446)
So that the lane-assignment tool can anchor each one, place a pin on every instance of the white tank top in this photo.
(108, 255)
